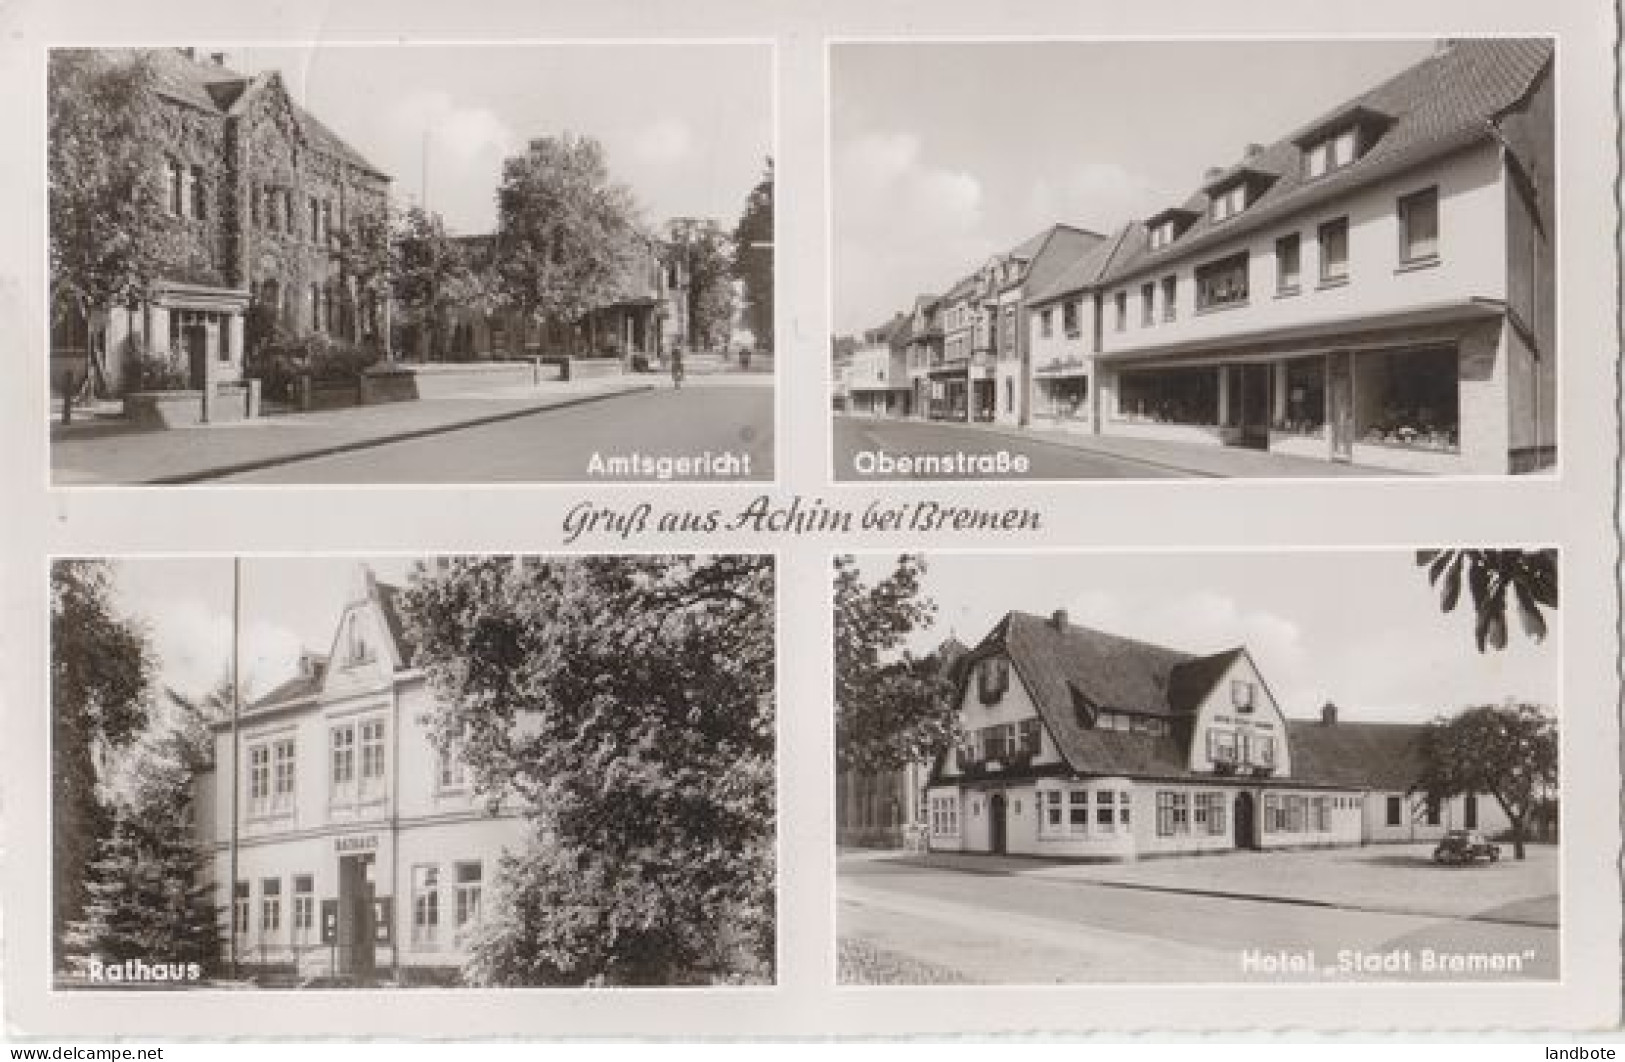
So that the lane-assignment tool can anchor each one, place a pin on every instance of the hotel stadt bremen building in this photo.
(1084, 744)
(362, 851)
(1375, 287)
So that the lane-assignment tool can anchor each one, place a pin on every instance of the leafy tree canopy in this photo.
(891, 708)
(753, 258)
(1493, 577)
(1508, 751)
(626, 704)
(706, 255)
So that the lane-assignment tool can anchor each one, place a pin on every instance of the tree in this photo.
(429, 272)
(1509, 752)
(364, 257)
(753, 258)
(706, 258)
(149, 894)
(101, 668)
(626, 705)
(1528, 577)
(891, 708)
(567, 233)
(109, 232)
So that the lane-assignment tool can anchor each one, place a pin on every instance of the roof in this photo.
(293, 689)
(1384, 756)
(1082, 271)
(1444, 103)
(219, 90)
(389, 597)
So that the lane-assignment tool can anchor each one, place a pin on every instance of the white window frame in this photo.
(425, 882)
(467, 896)
(284, 775)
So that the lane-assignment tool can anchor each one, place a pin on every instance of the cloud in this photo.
(665, 143)
(1096, 195)
(193, 646)
(465, 146)
(902, 224)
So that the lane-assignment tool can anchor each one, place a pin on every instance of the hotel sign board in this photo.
(356, 842)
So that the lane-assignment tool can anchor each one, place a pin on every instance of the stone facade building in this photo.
(261, 195)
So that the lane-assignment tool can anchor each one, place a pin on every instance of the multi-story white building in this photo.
(1086, 744)
(1376, 287)
(361, 850)
(878, 380)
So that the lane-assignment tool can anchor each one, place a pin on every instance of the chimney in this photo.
(1057, 619)
(217, 58)
(1252, 151)
(190, 53)
(1328, 714)
(363, 584)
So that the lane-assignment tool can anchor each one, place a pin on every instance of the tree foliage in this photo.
(1528, 578)
(706, 257)
(567, 232)
(366, 260)
(753, 258)
(626, 704)
(1507, 751)
(149, 893)
(891, 707)
(430, 273)
(101, 669)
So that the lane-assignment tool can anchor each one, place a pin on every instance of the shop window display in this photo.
(1409, 398)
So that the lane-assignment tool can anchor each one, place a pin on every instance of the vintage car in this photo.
(1465, 846)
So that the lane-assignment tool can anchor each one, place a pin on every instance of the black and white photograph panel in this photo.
(482, 771)
(1284, 258)
(1301, 766)
(411, 264)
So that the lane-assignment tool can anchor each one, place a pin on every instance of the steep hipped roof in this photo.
(220, 90)
(1444, 103)
(1385, 756)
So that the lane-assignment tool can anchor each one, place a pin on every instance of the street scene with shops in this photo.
(458, 288)
(1352, 277)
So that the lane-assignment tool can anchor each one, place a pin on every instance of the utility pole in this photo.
(236, 707)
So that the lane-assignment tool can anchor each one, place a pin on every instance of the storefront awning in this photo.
(1347, 332)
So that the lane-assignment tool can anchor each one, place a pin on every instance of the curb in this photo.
(383, 440)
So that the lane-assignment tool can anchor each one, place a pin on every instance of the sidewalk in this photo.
(1192, 458)
(99, 449)
(1389, 879)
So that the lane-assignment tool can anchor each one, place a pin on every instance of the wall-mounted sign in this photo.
(363, 842)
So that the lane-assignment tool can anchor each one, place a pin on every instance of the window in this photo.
(1272, 811)
(999, 742)
(1228, 202)
(425, 906)
(1070, 314)
(289, 220)
(945, 816)
(1244, 748)
(1409, 398)
(1331, 153)
(1334, 251)
(1122, 808)
(1105, 804)
(195, 187)
(1009, 395)
(327, 221)
(1469, 812)
(315, 220)
(1323, 815)
(466, 903)
(1419, 227)
(372, 759)
(1169, 396)
(1222, 283)
(1030, 741)
(259, 779)
(1395, 811)
(1147, 309)
(1305, 406)
(450, 774)
(1049, 819)
(174, 187)
(1221, 746)
(1295, 814)
(1007, 336)
(343, 763)
(1121, 299)
(315, 307)
(1288, 264)
(1170, 293)
(1162, 235)
(992, 679)
(304, 906)
(283, 777)
(1046, 323)
(1433, 811)
(1077, 811)
(1241, 694)
(1266, 750)
(1215, 813)
(239, 908)
(1173, 813)
(270, 905)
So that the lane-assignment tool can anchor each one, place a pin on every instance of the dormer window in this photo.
(1228, 202)
(1332, 153)
(992, 679)
(1167, 226)
(1162, 235)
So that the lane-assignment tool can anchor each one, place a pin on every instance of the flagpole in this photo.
(236, 706)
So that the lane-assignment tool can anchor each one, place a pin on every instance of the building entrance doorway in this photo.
(1246, 821)
(196, 340)
(995, 825)
(1247, 413)
(357, 951)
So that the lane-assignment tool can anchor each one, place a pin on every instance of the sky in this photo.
(1361, 629)
(688, 126)
(289, 604)
(943, 153)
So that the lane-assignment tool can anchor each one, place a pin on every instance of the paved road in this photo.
(1001, 928)
(700, 421)
(855, 436)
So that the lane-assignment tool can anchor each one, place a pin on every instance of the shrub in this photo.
(159, 371)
